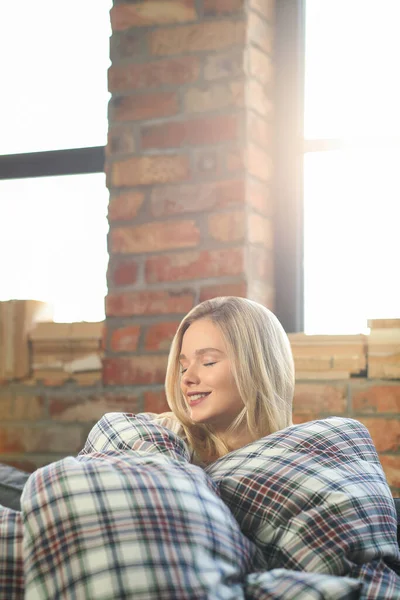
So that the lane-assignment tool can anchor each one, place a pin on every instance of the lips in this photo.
(194, 399)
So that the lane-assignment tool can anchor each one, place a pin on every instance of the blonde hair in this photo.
(262, 365)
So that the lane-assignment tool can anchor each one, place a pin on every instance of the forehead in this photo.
(202, 334)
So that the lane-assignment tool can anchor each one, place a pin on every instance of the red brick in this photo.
(6, 407)
(125, 304)
(138, 76)
(144, 106)
(159, 336)
(147, 170)
(208, 163)
(127, 45)
(170, 200)
(40, 439)
(137, 370)
(220, 7)
(155, 236)
(227, 226)
(120, 140)
(144, 14)
(207, 130)
(260, 231)
(319, 398)
(211, 35)
(384, 432)
(235, 159)
(224, 289)
(89, 408)
(259, 130)
(195, 265)
(223, 64)
(214, 96)
(156, 402)
(125, 206)
(259, 163)
(32, 408)
(258, 100)
(259, 197)
(260, 264)
(125, 339)
(123, 272)
(263, 293)
(376, 399)
(260, 65)
(264, 7)
(22, 407)
(391, 466)
(299, 418)
(259, 32)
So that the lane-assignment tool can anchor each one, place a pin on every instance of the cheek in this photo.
(226, 379)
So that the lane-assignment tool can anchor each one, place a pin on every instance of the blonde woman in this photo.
(230, 377)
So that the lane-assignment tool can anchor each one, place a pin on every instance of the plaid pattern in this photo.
(314, 498)
(124, 432)
(130, 518)
(281, 584)
(141, 523)
(11, 556)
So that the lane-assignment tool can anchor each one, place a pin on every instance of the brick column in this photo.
(189, 168)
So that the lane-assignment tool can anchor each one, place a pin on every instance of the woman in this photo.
(230, 376)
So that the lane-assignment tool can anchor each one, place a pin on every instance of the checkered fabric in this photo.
(131, 518)
(281, 584)
(119, 522)
(11, 555)
(314, 498)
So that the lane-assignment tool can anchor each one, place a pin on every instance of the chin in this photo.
(201, 416)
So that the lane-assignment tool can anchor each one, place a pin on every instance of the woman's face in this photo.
(207, 381)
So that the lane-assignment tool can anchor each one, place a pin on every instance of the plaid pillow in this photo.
(281, 584)
(11, 556)
(125, 432)
(314, 498)
(130, 523)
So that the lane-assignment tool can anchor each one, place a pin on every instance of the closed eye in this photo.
(209, 364)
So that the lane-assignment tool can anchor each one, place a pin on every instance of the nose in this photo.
(190, 376)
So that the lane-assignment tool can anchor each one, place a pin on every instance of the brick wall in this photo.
(40, 424)
(189, 167)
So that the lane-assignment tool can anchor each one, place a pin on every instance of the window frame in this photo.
(73, 161)
(288, 184)
(290, 148)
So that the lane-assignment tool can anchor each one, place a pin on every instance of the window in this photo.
(53, 119)
(344, 152)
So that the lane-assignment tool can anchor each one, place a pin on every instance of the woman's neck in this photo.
(236, 439)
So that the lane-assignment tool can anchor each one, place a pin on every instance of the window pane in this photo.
(55, 57)
(53, 243)
(352, 241)
(352, 56)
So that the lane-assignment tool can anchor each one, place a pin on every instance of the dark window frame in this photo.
(288, 187)
(73, 161)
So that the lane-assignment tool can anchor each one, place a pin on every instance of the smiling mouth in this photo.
(197, 398)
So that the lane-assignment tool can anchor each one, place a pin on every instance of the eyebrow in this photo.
(202, 351)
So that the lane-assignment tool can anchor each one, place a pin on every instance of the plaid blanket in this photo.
(314, 499)
(303, 514)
